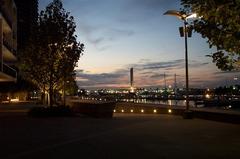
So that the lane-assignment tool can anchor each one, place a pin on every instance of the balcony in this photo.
(9, 53)
(5, 15)
(7, 73)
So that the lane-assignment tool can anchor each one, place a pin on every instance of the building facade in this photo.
(27, 16)
(8, 40)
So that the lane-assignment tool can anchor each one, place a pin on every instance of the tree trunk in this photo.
(51, 90)
(43, 95)
(64, 92)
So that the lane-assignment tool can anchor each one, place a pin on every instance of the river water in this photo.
(165, 102)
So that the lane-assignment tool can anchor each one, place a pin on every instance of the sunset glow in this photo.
(122, 34)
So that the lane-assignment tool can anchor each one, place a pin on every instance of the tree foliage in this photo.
(219, 22)
(54, 51)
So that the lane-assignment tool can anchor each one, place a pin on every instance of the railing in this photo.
(8, 70)
(9, 46)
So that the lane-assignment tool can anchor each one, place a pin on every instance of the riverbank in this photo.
(215, 114)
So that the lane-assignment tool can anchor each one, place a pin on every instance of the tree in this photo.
(54, 50)
(218, 22)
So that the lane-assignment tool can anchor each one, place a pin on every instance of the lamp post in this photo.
(186, 32)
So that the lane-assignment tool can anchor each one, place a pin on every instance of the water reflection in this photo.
(164, 102)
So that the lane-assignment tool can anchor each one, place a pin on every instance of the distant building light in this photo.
(14, 100)
(122, 111)
(169, 111)
(132, 89)
(114, 111)
(142, 111)
(131, 110)
(154, 111)
(207, 96)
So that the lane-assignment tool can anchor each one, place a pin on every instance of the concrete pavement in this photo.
(125, 136)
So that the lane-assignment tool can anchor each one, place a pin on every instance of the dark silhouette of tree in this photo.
(218, 21)
(54, 51)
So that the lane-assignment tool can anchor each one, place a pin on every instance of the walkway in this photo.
(125, 136)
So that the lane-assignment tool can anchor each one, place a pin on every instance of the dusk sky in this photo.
(120, 34)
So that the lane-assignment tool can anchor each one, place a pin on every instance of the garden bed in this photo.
(96, 109)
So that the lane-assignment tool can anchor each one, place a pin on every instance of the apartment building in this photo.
(8, 40)
(27, 17)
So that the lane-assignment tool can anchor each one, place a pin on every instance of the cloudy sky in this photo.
(120, 34)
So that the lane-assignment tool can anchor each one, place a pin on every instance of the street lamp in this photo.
(186, 32)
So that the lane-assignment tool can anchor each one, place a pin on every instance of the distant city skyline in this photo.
(123, 34)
